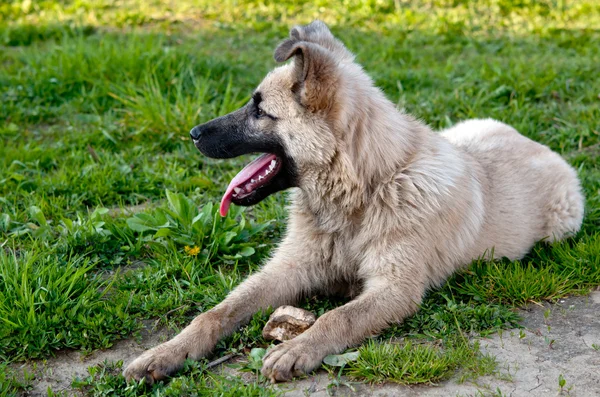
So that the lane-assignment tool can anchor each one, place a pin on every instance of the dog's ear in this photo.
(315, 71)
(317, 32)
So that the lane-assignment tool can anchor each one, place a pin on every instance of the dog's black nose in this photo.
(195, 133)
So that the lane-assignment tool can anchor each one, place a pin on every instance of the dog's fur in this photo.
(383, 208)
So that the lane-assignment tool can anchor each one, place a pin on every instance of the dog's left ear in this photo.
(315, 72)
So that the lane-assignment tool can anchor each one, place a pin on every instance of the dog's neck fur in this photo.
(336, 195)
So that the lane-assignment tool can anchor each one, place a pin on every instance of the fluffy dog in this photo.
(381, 207)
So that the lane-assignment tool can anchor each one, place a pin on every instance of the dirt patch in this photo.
(58, 372)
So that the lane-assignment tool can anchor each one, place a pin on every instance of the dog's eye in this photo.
(261, 114)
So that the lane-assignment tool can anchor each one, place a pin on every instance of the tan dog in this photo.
(382, 205)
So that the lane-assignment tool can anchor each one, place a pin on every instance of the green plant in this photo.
(183, 224)
(254, 363)
(340, 361)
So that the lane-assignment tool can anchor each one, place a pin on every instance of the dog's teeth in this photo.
(252, 180)
(237, 190)
(273, 163)
(260, 177)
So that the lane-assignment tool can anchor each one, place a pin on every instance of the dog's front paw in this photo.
(156, 364)
(289, 359)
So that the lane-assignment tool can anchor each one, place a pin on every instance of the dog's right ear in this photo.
(315, 71)
(317, 32)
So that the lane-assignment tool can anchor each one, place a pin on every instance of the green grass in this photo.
(416, 363)
(52, 301)
(100, 186)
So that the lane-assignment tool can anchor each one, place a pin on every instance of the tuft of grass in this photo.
(412, 363)
(443, 317)
(172, 107)
(515, 283)
(50, 302)
(550, 273)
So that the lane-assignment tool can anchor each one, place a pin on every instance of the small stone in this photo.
(287, 322)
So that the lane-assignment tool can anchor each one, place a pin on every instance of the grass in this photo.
(416, 363)
(48, 302)
(107, 212)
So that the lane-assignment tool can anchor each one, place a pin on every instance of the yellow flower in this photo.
(192, 251)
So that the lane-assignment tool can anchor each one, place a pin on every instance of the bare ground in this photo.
(58, 372)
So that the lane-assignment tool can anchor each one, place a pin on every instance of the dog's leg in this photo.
(282, 280)
(385, 300)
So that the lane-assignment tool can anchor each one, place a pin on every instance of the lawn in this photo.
(108, 214)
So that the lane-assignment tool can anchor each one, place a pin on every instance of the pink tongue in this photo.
(242, 177)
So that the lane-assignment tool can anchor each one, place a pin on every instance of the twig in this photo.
(220, 360)
(164, 316)
(174, 310)
(93, 153)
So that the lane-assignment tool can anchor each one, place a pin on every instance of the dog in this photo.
(382, 208)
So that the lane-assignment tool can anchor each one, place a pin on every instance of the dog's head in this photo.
(290, 118)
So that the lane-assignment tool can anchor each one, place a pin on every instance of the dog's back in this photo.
(530, 192)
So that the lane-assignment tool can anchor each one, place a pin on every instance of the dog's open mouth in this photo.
(254, 176)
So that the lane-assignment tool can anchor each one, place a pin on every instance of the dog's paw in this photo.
(289, 359)
(156, 364)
